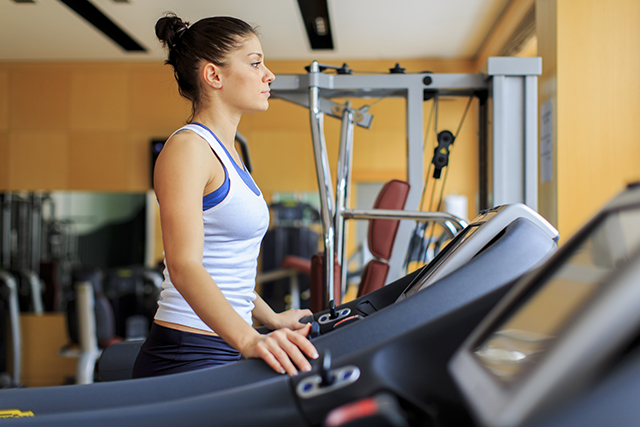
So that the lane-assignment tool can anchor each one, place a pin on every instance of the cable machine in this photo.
(507, 114)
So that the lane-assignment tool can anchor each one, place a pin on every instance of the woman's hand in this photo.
(283, 349)
(291, 319)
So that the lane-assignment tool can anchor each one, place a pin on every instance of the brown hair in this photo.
(209, 39)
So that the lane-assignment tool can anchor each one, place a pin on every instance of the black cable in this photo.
(464, 115)
(421, 228)
(446, 172)
(424, 145)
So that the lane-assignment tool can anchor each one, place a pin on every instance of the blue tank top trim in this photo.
(242, 171)
(214, 198)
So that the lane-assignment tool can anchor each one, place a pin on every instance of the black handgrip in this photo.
(315, 330)
(325, 367)
(306, 319)
(333, 314)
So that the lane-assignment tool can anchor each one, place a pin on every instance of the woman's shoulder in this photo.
(185, 147)
(186, 139)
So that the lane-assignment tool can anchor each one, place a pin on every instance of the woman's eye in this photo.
(255, 64)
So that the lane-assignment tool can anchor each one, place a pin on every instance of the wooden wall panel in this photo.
(155, 103)
(38, 160)
(42, 337)
(281, 115)
(600, 130)
(106, 114)
(547, 27)
(99, 100)
(282, 161)
(139, 161)
(40, 99)
(4, 155)
(4, 100)
(99, 161)
(593, 85)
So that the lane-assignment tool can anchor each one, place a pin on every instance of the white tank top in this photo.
(236, 218)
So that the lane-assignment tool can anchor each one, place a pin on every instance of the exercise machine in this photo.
(512, 226)
(483, 232)
(561, 349)
(470, 290)
(561, 330)
(507, 94)
(10, 309)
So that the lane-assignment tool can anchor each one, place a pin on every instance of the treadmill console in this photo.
(484, 230)
(556, 329)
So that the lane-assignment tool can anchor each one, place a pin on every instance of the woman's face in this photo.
(245, 78)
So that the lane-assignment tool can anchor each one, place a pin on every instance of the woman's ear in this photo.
(211, 75)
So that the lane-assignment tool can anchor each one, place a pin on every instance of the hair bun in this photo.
(168, 28)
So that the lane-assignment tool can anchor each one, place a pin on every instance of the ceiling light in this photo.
(321, 29)
(315, 15)
(100, 21)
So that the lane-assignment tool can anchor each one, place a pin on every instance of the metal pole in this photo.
(531, 142)
(415, 175)
(343, 185)
(89, 352)
(483, 156)
(324, 177)
(36, 231)
(438, 217)
(14, 313)
(6, 231)
(35, 288)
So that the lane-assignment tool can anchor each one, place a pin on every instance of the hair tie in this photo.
(179, 33)
(180, 30)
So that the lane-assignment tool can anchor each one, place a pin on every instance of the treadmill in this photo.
(486, 229)
(561, 349)
(519, 243)
(563, 331)
(481, 233)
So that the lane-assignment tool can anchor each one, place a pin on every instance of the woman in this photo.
(212, 214)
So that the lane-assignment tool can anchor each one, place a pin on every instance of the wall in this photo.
(283, 136)
(590, 74)
(87, 126)
(83, 126)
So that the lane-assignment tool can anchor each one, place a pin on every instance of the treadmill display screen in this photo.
(524, 333)
(442, 256)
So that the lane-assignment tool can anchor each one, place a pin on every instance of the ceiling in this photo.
(48, 30)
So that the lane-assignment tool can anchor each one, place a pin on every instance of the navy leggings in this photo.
(169, 351)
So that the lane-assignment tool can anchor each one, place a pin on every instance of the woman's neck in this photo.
(222, 125)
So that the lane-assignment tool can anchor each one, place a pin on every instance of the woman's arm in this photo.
(184, 169)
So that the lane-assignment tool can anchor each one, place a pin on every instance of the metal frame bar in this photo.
(284, 273)
(437, 217)
(14, 314)
(6, 231)
(343, 185)
(515, 129)
(323, 173)
(511, 84)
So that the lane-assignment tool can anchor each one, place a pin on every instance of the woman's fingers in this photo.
(291, 318)
(280, 350)
(292, 358)
(304, 330)
(303, 343)
(265, 354)
(283, 350)
(288, 351)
